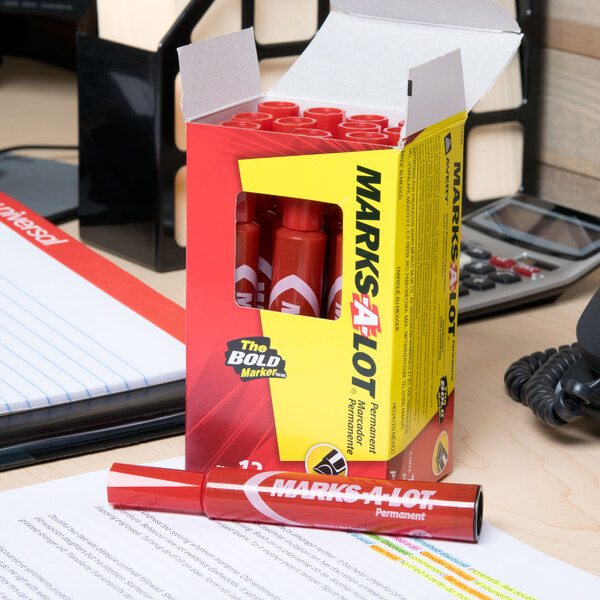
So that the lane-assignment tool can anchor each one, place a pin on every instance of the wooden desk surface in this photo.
(541, 485)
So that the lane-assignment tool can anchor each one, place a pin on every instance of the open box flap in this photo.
(218, 73)
(472, 14)
(365, 62)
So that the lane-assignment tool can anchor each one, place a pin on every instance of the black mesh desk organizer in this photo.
(128, 158)
(525, 114)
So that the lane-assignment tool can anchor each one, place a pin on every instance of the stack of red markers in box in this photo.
(289, 250)
(324, 121)
(288, 255)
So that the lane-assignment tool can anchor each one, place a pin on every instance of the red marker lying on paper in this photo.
(438, 510)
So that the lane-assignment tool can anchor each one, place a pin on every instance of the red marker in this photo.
(241, 124)
(348, 126)
(334, 297)
(393, 134)
(247, 234)
(439, 510)
(327, 117)
(312, 132)
(269, 221)
(288, 124)
(373, 137)
(299, 259)
(377, 119)
(263, 119)
(279, 108)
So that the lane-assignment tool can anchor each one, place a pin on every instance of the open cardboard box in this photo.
(372, 392)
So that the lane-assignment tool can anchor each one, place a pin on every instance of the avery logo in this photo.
(448, 143)
(252, 358)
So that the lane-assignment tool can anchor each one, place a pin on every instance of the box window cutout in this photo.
(288, 255)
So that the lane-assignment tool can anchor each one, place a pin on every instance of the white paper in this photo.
(64, 339)
(62, 540)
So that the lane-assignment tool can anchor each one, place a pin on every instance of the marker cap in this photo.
(241, 124)
(279, 108)
(302, 215)
(377, 119)
(288, 124)
(347, 126)
(393, 134)
(327, 117)
(263, 119)
(374, 137)
(312, 132)
(153, 488)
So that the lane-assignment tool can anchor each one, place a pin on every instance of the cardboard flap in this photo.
(435, 92)
(365, 62)
(218, 73)
(475, 14)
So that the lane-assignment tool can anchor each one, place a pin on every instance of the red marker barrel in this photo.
(449, 511)
(334, 296)
(327, 117)
(269, 221)
(279, 108)
(247, 234)
(299, 259)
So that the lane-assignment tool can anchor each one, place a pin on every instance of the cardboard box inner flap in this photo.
(357, 62)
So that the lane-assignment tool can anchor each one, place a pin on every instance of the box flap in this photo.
(425, 106)
(474, 14)
(218, 73)
(365, 62)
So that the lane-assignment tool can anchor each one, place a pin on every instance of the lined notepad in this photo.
(62, 337)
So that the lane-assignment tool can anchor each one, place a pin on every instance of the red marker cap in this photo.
(245, 208)
(347, 126)
(302, 215)
(312, 132)
(374, 137)
(241, 124)
(393, 134)
(377, 119)
(279, 108)
(263, 119)
(288, 124)
(133, 486)
(327, 117)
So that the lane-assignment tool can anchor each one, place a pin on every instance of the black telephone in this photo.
(561, 385)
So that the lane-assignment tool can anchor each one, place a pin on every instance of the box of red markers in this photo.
(323, 239)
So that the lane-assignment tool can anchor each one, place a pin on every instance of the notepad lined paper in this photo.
(62, 338)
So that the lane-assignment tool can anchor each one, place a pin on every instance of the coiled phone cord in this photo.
(534, 381)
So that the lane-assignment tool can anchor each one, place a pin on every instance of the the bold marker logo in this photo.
(253, 358)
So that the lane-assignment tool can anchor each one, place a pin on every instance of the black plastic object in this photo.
(587, 330)
(75, 428)
(562, 385)
(127, 151)
(525, 114)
